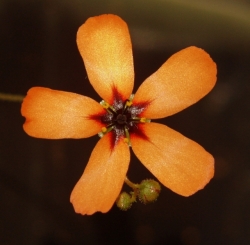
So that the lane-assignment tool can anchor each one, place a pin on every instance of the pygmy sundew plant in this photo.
(123, 119)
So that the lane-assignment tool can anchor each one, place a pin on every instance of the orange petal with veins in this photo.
(56, 114)
(105, 46)
(181, 81)
(177, 162)
(103, 177)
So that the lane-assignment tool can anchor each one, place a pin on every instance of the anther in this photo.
(104, 104)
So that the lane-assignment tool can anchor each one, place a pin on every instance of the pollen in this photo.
(104, 129)
(129, 103)
(144, 120)
(126, 140)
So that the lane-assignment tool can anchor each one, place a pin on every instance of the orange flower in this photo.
(122, 120)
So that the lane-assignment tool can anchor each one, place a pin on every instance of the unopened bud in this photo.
(148, 191)
(124, 201)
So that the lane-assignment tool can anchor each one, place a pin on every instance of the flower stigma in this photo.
(121, 118)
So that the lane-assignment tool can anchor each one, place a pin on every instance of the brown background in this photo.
(37, 48)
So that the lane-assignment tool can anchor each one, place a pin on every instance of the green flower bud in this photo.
(124, 201)
(148, 191)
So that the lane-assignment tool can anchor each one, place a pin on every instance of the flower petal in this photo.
(103, 177)
(105, 46)
(56, 114)
(178, 162)
(181, 81)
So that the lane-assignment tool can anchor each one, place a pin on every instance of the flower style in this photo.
(122, 119)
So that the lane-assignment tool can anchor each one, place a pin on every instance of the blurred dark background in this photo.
(38, 48)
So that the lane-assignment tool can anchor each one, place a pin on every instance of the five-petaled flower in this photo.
(123, 120)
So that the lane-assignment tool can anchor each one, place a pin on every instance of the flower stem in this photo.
(131, 184)
(11, 97)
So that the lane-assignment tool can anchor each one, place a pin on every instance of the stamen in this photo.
(131, 97)
(127, 139)
(141, 119)
(145, 120)
(107, 106)
(105, 131)
(104, 104)
(129, 101)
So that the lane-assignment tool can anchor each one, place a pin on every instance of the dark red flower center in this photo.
(122, 118)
